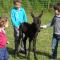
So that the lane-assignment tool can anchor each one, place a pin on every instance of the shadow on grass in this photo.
(22, 56)
(10, 51)
(44, 54)
(58, 59)
(38, 53)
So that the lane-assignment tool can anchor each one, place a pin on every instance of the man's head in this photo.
(57, 8)
(17, 3)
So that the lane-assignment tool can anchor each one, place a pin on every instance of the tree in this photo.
(49, 5)
(29, 5)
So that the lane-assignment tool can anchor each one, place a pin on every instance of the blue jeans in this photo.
(3, 54)
(55, 41)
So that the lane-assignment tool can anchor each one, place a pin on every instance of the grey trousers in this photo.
(16, 36)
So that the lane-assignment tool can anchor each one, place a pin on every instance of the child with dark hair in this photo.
(3, 39)
(56, 30)
(18, 16)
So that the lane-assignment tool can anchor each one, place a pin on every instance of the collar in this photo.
(18, 9)
(58, 15)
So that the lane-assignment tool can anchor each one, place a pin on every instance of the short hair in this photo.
(17, 1)
(2, 21)
(57, 7)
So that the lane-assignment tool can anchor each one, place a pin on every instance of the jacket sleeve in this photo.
(25, 16)
(51, 23)
(13, 19)
(3, 39)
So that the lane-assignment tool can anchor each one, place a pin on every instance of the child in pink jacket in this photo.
(3, 39)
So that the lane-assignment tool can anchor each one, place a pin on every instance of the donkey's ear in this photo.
(41, 14)
(32, 14)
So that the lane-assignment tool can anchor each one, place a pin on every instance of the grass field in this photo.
(44, 40)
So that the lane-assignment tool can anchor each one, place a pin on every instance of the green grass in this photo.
(44, 40)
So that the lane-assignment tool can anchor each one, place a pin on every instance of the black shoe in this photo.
(53, 59)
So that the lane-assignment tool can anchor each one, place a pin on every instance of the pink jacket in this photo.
(3, 39)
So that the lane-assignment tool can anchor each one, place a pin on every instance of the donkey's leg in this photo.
(18, 43)
(29, 49)
(34, 48)
(24, 43)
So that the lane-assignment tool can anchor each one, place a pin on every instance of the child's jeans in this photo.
(55, 41)
(3, 54)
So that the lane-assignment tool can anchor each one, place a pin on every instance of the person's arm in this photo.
(53, 21)
(49, 24)
(3, 39)
(45, 26)
(25, 16)
(13, 19)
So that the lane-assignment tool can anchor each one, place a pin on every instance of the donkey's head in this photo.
(37, 20)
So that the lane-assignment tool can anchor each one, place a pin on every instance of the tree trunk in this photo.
(49, 2)
(29, 5)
